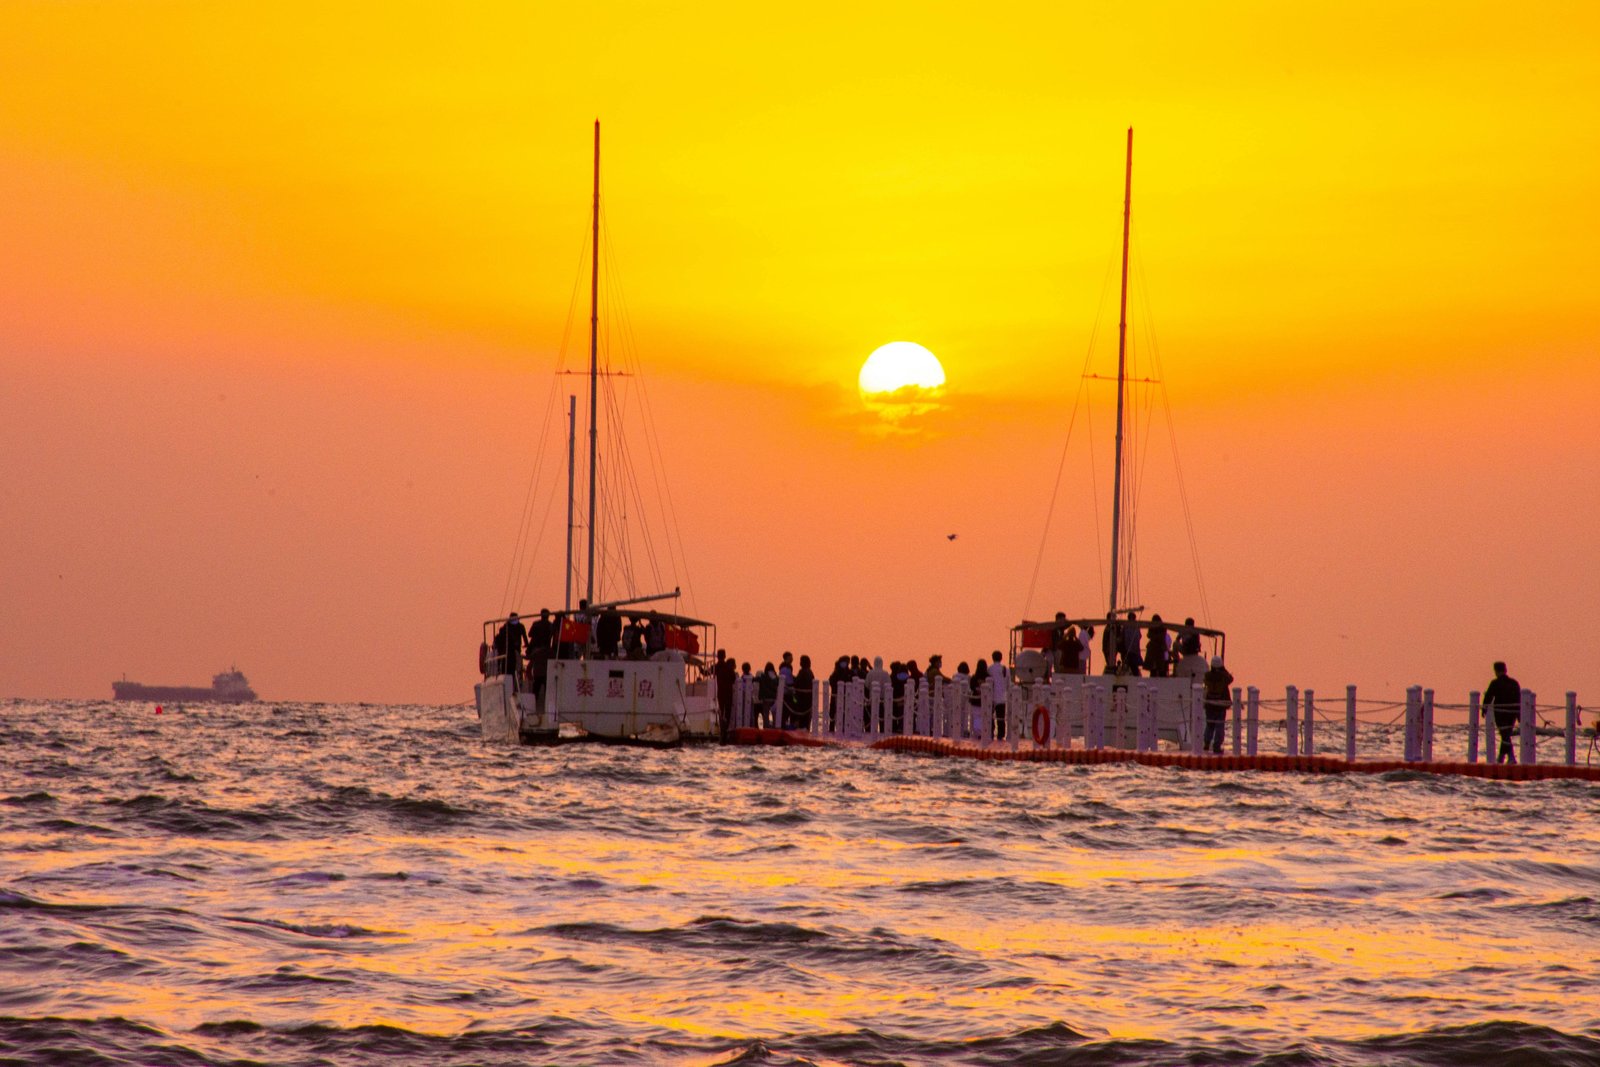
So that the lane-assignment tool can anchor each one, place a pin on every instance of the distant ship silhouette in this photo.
(229, 687)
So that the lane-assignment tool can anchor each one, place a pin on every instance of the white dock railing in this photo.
(1099, 711)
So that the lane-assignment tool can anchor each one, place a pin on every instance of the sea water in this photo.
(330, 884)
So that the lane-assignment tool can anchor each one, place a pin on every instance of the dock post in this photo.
(1472, 728)
(1014, 713)
(1308, 744)
(1427, 726)
(1491, 754)
(986, 713)
(1144, 725)
(1349, 724)
(1094, 718)
(1530, 712)
(1238, 717)
(780, 709)
(1197, 719)
(1254, 698)
(1413, 723)
(1291, 719)
(1572, 729)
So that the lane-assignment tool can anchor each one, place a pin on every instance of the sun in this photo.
(900, 364)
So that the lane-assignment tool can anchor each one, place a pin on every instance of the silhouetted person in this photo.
(633, 639)
(1503, 699)
(1217, 700)
(608, 634)
(541, 643)
(805, 691)
(1188, 639)
(1058, 644)
(998, 679)
(1130, 644)
(767, 694)
(1157, 654)
(508, 642)
(725, 671)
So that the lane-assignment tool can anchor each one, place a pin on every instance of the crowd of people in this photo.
(605, 634)
(785, 692)
(785, 695)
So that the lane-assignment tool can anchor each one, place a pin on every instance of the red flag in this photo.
(574, 632)
(1036, 637)
(683, 639)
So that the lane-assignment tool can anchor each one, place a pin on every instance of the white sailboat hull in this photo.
(646, 701)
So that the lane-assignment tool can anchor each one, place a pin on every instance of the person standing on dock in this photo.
(805, 691)
(726, 671)
(1503, 699)
(999, 681)
(1217, 699)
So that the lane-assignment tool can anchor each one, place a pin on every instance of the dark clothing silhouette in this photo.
(608, 634)
(1217, 701)
(508, 644)
(1503, 699)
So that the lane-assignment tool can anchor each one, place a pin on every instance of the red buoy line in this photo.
(939, 746)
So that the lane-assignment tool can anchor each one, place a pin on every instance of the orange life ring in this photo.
(1041, 724)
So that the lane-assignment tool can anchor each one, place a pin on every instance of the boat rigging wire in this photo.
(666, 506)
(1172, 436)
(1061, 466)
(521, 569)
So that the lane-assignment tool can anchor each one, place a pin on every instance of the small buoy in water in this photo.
(158, 709)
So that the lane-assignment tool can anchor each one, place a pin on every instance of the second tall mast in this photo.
(594, 354)
(1122, 374)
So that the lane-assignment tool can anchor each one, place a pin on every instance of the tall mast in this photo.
(1122, 373)
(572, 462)
(594, 352)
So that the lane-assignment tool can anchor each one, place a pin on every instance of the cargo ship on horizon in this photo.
(229, 687)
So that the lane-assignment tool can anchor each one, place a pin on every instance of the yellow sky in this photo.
(317, 245)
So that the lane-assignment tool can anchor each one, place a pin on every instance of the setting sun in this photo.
(899, 364)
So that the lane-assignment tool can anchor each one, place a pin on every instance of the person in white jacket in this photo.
(999, 682)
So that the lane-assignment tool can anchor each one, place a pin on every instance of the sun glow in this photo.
(899, 364)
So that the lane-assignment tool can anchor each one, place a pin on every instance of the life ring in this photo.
(483, 658)
(1041, 724)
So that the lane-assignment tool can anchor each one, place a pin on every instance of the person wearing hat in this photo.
(1217, 700)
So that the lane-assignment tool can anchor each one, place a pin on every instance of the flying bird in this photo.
(949, 537)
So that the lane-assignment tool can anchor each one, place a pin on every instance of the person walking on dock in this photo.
(1503, 699)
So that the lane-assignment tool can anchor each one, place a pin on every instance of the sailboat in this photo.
(617, 671)
(1040, 649)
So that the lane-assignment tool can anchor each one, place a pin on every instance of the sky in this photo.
(285, 288)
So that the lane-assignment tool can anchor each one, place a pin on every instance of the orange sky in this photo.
(284, 288)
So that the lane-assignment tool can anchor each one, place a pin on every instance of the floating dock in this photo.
(939, 746)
